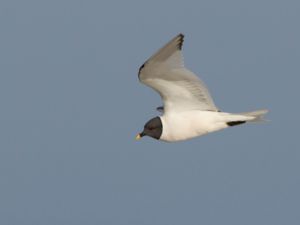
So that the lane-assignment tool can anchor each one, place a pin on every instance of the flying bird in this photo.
(188, 110)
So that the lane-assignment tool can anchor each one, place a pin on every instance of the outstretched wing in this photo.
(179, 88)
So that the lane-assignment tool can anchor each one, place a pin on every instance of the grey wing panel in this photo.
(169, 55)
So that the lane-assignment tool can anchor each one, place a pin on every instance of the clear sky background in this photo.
(71, 105)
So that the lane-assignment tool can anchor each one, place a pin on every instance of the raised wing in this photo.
(179, 88)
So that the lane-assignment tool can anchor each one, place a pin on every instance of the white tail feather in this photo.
(258, 115)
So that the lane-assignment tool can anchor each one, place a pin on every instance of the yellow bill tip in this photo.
(138, 137)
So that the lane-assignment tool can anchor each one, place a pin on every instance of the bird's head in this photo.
(153, 128)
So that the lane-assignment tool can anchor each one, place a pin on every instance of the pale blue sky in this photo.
(71, 105)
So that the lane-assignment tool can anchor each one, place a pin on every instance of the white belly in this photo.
(186, 125)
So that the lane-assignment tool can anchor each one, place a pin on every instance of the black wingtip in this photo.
(181, 39)
(141, 67)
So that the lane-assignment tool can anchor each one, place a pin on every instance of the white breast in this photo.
(186, 125)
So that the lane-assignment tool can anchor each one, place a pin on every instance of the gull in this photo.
(188, 110)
